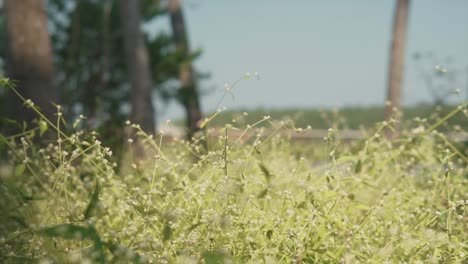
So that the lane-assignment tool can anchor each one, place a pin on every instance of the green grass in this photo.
(268, 200)
(345, 118)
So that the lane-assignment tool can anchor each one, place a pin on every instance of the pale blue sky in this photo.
(327, 53)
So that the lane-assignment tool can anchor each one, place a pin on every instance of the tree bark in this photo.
(29, 59)
(396, 66)
(142, 111)
(189, 90)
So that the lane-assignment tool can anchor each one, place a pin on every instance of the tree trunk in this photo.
(189, 92)
(396, 66)
(29, 59)
(142, 111)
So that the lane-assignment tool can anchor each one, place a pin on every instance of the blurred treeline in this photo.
(357, 117)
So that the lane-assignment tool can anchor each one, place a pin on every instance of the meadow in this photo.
(357, 117)
(65, 198)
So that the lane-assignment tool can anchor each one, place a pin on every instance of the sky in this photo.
(317, 53)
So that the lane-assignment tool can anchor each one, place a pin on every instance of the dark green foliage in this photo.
(93, 202)
(69, 231)
(167, 232)
(212, 257)
(92, 74)
(77, 232)
(90, 67)
(88, 44)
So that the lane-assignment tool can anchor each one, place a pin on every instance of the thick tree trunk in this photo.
(29, 59)
(189, 92)
(142, 111)
(396, 66)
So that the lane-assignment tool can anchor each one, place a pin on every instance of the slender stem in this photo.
(225, 152)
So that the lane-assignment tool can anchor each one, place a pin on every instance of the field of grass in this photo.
(345, 118)
(267, 200)
(66, 198)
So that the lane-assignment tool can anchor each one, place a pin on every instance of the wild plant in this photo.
(254, 198)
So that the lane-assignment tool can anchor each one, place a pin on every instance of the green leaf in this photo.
(262, 194)
(42, 127)
(93, 202)
(194, 226)
(19, 169)
(76, 123)
(301, 205)
(257, 150)
(265, 171)
(358, 167)
(269, 233)
(211, 257)
(167, 232)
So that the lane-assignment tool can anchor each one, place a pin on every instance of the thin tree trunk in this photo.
(396, 66)
(189, 92)
(142, 111)
(29, 59)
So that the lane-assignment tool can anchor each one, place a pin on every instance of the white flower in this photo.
(418, 130)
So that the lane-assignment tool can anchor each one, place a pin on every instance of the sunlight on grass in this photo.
(267, 199)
